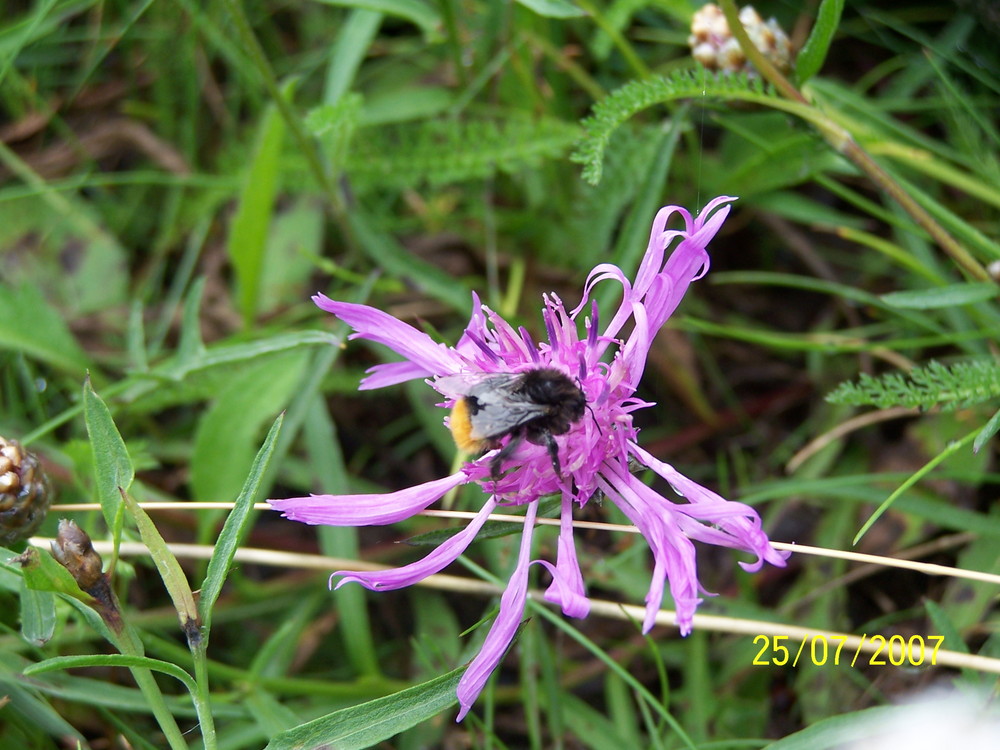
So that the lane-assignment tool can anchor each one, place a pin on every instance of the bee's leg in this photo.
(503, 454)
(553, 448)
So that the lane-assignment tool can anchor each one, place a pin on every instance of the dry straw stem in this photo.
(617, 610)
(889, 562)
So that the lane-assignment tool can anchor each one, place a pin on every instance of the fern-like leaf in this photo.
(952, 387)
(609, 113)
(440, 152)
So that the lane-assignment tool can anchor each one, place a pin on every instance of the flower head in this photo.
(533, 454)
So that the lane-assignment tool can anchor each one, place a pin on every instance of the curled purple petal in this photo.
(739, 521)
(504, 626)
(443, 555)
(673, 553)
(366, 510)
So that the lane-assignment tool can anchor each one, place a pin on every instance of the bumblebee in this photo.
(534, 405)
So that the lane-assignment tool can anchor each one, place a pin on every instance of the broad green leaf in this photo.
(57, 243)
(813, 53)
(113, 470)
(370, 723)
(30, 325)
(553, 8)
(945, 296)
(226, 439)
(178, 381)
(234, 528)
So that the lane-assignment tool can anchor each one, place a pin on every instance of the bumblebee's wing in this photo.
(473, 383)
(501, 407)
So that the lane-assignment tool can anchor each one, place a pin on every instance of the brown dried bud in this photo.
(73, 550)
(24, 493)
(712, 44)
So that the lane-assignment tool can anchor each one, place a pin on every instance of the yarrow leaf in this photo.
(635, 96)
(441, 152)
(951, 387)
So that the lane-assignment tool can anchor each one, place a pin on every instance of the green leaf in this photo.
(248, 234)
(226, 439)
(553, 8)
(954, 386)
(837, 731)
(38, 615)
(235, 527)
(177, 381)
(620, 105)
(169, 569)
(813, 53)
(43, 573)
(354, 38)
(113, 470)
(986, 434)
(111, 660)
(420, 13)
(365, 725)
(191, 346)
(952, 295)
(30, 325)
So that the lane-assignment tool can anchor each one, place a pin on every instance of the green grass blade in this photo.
(235, 528)
(370, 723)
(813, 52)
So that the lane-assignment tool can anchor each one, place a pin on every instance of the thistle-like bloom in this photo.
(594, 454)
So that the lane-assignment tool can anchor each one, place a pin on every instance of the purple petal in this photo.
(673, 552)
(739, 521)
(652, 261)
(426, 355)
(444, 555)
(637, 346)
(366, 510)
(567, 588)
(504, 626)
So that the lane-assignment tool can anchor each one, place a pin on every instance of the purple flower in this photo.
(593, 453)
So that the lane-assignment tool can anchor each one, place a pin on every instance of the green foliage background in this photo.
(177, 178)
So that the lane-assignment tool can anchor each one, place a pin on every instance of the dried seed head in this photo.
(24, 493)
(712, 44)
